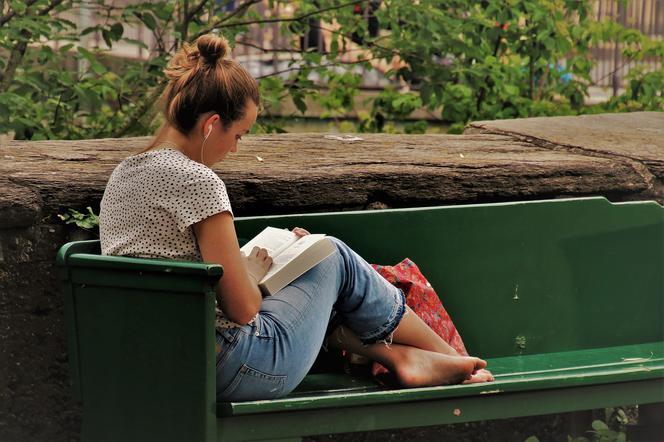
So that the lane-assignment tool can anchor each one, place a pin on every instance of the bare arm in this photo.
(238, 288)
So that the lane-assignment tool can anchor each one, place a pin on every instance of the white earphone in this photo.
(204, 140)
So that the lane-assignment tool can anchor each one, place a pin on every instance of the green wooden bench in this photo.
(565, 299)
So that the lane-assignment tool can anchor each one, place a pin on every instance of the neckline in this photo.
(159, 149)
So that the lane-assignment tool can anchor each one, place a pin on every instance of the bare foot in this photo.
(482, 375)
(421, 368)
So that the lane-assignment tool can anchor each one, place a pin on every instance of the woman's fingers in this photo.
(262, 257)
(259, 252)
(258, 262)
(299, 231)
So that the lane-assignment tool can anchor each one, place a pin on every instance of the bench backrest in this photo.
(521, 278)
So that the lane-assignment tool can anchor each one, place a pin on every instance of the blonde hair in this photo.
(202, 79)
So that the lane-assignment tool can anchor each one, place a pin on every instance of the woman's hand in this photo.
(299, 231)
(258, 263)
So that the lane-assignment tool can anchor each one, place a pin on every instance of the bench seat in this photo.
(514, 373)
(524, 386)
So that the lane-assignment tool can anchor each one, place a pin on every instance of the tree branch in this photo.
(195, 10)
(220, 25)
(57, 110)
(17, 54)
(185, 20)
(140, 110)
(238, 11)
(11, 13)
(336, 63)
(483, 90)
(287, 50)
(50, 7)
(625, 62)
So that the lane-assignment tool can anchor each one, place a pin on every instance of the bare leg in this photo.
(413, 367)
(413, 331)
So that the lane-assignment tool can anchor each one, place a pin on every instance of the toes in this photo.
(479, 364)
(479, 376)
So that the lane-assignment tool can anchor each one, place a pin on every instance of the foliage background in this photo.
(460, 60)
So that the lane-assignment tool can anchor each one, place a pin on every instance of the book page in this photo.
(291, 252)
(272, 239)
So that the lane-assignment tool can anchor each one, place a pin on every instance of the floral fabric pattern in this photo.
(423, 300)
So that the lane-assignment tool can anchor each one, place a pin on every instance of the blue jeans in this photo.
(269, 358)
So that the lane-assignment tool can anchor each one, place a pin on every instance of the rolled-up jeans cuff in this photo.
(385, 332)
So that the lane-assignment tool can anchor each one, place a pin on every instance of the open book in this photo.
(291, 255)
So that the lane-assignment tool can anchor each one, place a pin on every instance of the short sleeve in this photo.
(200, 197)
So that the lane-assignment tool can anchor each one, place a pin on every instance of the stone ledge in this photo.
(309, 172)
(638, 136)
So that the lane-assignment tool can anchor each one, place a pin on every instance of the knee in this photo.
(342, 247)
(344, 252)
(338, 243)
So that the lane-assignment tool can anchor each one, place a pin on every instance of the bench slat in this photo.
(515, 373)
(388, 415)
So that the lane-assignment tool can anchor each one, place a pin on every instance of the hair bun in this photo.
(212, 48)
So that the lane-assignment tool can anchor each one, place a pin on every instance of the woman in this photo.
(166, 202)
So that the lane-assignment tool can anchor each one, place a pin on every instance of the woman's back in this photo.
(151, 201)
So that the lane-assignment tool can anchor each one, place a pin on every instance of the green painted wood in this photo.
(143, 358)
(333, 383)
(563, 274)
(515, 373)
(86, 254)
(564, 297)
(437, 412)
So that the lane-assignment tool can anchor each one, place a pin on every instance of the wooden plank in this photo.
(522, 373)
(436, 412)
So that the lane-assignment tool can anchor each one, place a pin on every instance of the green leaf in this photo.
(19, 7)
(163, 10)
(599, 425)
(66, 48)
(456, 128)
(89, 30)
(96, 67)
(135, 42)
(117, 30)
(298, 101)
(511, 89)
(532, 439)
(418, 127)
(108, 38)
(149, 20)
(334, 48)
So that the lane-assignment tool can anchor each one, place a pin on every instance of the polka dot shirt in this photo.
(151, 202)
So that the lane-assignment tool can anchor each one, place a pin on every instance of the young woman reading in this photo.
(166, 202)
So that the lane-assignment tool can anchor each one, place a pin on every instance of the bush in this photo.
(460, 60)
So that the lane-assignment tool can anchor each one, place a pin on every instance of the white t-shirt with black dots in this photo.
(151, 202)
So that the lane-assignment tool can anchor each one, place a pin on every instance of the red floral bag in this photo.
(423, 300)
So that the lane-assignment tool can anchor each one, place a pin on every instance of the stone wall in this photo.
(618, 156)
